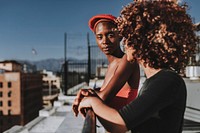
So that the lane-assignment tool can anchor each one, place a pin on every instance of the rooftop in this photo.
(57, 119)
(60, 119)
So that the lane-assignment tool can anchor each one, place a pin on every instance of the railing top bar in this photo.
(89, 123)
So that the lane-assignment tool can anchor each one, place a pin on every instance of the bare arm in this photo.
(112, 121)
(123, 73)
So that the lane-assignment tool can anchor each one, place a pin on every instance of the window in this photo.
(1, 113)
(1, 84)
(9, 94)
(9, 84)
(9, 112)
(1, 103)
(9, 103)
(1, 93)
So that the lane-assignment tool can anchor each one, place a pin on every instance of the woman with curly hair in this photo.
(160, 36)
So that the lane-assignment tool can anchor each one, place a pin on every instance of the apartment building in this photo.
(20, 95)
(51, 87)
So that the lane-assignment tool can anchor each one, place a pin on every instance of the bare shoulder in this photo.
(124, 61)
(128, 72)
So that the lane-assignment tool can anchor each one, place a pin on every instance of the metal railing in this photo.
(89, 123)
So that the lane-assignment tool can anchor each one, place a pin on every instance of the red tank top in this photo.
(123, 97)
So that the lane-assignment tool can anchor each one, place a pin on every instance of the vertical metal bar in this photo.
(89, 58)
(65, 64)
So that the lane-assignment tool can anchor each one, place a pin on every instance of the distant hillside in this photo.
(49, 64)
(56, 64)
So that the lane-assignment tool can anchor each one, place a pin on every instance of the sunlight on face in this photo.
(107, 40)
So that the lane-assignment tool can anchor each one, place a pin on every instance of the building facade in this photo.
(51, 87)
(11, 65)
(20, 95)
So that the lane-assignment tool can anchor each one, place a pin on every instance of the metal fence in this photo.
(81, 61)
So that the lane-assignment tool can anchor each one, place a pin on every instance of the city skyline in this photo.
(34, 30)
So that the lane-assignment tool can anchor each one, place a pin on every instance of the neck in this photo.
(117, 54)
(149, 72)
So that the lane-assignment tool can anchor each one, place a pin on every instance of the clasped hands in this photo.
(82, 101)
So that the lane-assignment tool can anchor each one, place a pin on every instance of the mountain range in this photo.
(55, 65)
(48, 64)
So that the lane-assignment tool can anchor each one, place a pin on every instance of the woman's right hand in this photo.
(80, 95)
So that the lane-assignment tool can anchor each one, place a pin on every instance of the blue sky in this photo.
(41, 24)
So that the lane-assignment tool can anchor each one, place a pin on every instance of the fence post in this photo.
(89, 58)
(65, 64)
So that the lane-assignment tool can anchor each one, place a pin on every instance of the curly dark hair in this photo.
(160, 31)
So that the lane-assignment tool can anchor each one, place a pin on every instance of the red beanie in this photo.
(100, 18)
